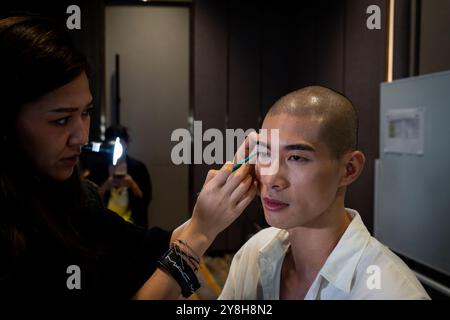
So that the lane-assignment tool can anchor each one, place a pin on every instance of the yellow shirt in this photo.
(118, 202)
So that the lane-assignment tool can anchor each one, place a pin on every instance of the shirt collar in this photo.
(277, 246)
(341, 264)
(270, 260)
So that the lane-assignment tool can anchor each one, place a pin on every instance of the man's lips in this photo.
(273, 204)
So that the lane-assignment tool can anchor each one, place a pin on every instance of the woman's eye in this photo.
(88, 112)
(62, 121)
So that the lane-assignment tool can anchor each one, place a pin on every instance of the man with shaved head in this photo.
(316, 248)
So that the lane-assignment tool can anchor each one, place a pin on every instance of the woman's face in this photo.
(52, 129)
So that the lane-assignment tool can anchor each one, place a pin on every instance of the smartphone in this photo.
(119, 175)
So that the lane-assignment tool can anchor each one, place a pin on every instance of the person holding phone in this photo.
(126, 187)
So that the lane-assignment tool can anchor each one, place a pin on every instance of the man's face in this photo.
(52, 130)
(307, 180)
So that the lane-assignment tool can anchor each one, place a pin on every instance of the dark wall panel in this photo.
(434, 54)
(244, 91)
(402, 26)
(276, 54)
(365, 60)
(244, 65)
(330, 43)
(210, 47)
(302, 46)
(210, 62)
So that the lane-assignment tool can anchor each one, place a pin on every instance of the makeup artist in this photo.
(51, 221)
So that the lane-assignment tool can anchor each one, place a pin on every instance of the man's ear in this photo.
(353, 165)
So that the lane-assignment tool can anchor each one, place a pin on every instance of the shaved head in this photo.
(337, 116)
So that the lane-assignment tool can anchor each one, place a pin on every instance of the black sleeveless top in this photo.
(125, 259)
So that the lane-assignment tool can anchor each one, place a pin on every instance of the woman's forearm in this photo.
(161, 285)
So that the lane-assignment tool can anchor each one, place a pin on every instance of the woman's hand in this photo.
(129, 182)
(248, 147)
(223, 198)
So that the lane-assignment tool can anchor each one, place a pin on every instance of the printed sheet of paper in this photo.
(404, 131)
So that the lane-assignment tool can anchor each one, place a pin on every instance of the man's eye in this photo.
(263, 158)
(263, 151)
(262, 155)
(298, 158)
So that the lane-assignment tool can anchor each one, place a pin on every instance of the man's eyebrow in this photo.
(296, 146)
(70, 109)
(299, 146)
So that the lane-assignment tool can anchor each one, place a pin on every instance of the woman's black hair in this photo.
(36, 57)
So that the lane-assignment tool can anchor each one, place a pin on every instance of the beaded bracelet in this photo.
(194, 255)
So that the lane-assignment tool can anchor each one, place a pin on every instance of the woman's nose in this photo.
(80, 134)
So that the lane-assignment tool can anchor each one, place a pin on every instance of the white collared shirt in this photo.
(359, 267)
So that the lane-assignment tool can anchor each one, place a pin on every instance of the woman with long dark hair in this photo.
(51, 221)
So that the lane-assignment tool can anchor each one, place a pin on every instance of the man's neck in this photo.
(312, 244)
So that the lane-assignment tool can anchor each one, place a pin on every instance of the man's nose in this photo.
(275, 181)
